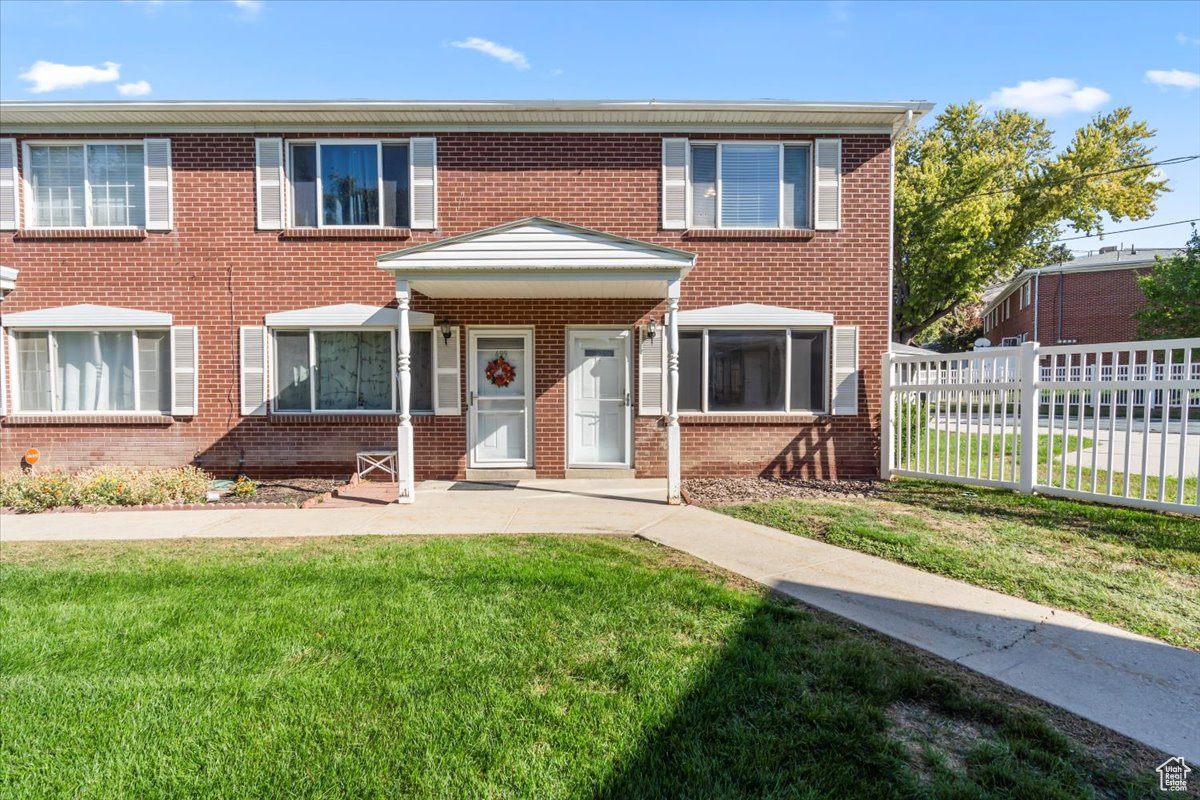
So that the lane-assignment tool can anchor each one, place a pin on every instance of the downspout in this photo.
(1037, 302)
(1058, 307)
(891, 293)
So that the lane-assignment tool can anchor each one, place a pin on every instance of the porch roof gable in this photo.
(536, 244)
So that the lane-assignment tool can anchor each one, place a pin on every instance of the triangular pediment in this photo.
(537, 243)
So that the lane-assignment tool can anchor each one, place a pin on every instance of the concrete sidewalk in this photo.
(1140, 687)
(1137, 686)
(442, 507)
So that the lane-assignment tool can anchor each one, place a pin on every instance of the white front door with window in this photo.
(598, 412)
(500, 396)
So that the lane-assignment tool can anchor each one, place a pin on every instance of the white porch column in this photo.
(674, 459)
(404, 433)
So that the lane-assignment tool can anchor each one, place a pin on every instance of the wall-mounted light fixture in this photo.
(446, 330)
(651, 329)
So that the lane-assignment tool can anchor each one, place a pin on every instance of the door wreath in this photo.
(499, 372)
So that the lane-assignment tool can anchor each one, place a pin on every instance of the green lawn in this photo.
(1136, 569)
(485, 667)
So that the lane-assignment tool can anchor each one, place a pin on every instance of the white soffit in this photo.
(460, 115)
(350, 315)
(576, 285)
(536, 244)
(87, 316)
(754, 315)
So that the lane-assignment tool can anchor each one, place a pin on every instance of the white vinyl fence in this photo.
(1112, 423)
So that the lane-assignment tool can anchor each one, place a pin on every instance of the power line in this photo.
(1007, 189)
(1125, 230)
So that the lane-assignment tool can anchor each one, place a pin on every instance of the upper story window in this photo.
(349, 184)
(100, 185)
(750, 185)
(1026, 294)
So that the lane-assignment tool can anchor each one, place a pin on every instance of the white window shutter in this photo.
(158, 184)
(184, 387)
(828, 185)
(422, 154)
(447, 387)
(845, 369)
(254, 370)
(9, 185)
(268, 172)
(3, 382)
(652, 376)
(674, 183)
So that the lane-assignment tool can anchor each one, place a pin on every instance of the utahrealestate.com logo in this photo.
(1173, 775)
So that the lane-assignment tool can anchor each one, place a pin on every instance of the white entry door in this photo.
(598, 399)
(500, 387)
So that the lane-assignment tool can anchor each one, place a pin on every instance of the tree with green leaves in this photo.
(1172, 291)
(981, 196)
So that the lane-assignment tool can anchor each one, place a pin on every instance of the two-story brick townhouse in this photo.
(492, 289)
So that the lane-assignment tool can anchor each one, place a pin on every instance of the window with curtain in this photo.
(93, 371)
(750, 370)
(750, 185)
(359, 184)
(348, 370)
(62, 178)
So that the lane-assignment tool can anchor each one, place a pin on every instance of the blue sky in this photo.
(1143, 54)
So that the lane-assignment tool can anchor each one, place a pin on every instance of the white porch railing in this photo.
(1112, 423)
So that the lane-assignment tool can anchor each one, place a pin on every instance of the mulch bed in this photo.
(288, 491)
(728, 491)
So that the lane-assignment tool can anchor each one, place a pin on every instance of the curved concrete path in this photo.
(1137, 686)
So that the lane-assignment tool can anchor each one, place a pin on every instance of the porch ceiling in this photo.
(537, 257)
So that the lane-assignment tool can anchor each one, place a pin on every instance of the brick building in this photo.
(1090, 300)
(549, 288)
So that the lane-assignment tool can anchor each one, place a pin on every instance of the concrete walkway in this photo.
(1137, 686)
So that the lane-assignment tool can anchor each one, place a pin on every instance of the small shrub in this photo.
(244, 487)
(102, 486)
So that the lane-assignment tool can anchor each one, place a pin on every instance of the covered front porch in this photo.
(609, 369)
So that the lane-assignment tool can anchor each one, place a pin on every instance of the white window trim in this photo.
(27, 185)
(827, 378)
(781, 144)
(290, 194)
(313, 411)
(51, 360)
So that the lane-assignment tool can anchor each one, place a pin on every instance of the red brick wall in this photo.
(1097, 307)
(214, 270)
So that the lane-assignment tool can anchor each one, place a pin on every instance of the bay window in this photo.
(93, 371)
(750, 185)
(362, 183)
(100, 185)
(353, 370)
(753, 370)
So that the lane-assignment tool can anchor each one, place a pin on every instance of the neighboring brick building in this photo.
(1089, 300)
(277, 286)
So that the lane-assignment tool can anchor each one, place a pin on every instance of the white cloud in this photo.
(47, 76)
(135, 89)
(1174, 77)
(1183, 38)
(250, 8)
(496, 51)
(1051, 96)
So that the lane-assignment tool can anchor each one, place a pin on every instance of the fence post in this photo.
(886, 434)
(1029, 415)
